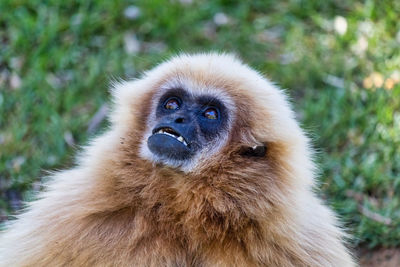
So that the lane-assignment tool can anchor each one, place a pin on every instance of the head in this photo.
(190, 112)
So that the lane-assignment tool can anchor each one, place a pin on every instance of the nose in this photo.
(183, 116)
(180, 119)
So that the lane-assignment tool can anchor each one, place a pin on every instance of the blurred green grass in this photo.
(340, 61)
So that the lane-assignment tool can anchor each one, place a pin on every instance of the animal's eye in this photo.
(211, 113)
(172, 104)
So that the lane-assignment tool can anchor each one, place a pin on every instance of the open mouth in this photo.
(170, 132)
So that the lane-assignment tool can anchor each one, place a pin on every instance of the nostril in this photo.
(179, 120)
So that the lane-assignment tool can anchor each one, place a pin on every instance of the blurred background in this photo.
(339, 61)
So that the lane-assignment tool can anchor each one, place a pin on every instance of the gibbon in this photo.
(203, 164)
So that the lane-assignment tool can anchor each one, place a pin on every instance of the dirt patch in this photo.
(383, 257)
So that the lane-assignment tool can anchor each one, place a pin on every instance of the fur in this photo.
(121, 207)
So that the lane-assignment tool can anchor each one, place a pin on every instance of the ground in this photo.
(384, 257)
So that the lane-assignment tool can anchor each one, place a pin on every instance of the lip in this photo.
(169, 131)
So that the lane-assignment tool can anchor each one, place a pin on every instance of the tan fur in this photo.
(118, 208)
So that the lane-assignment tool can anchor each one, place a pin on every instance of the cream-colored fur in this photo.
(120, 207)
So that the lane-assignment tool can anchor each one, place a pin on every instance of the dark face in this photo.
(186, 124)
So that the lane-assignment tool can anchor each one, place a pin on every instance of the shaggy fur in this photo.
(121, 207)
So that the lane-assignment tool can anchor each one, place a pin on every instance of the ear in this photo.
(250, 146)
(257, 151)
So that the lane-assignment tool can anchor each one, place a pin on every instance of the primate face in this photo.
(190, 121)
(185, 124)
